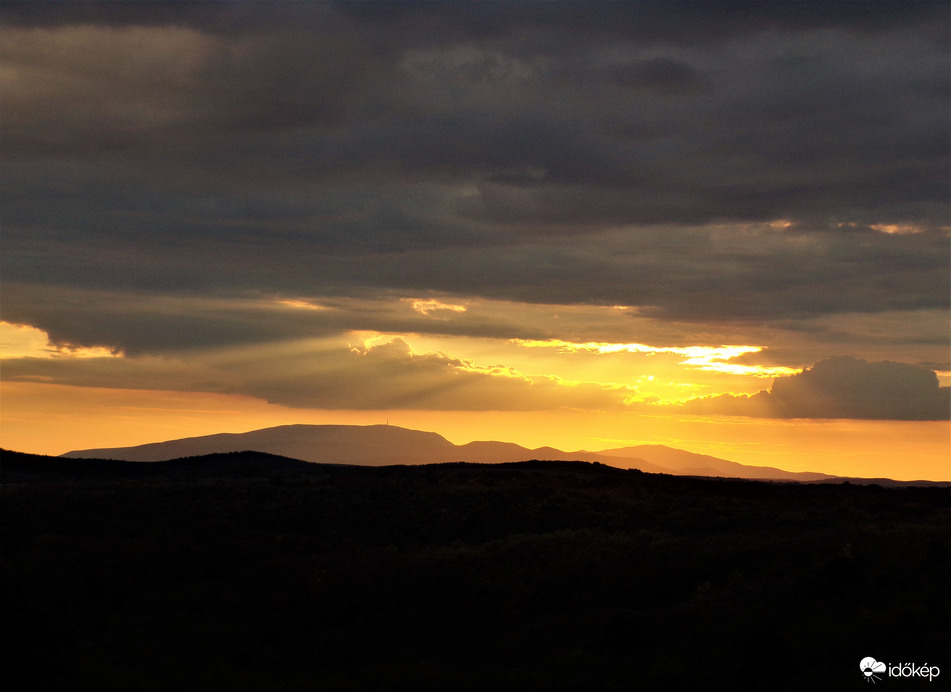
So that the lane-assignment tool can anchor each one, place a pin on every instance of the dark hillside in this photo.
(250, 572)
(18, 467)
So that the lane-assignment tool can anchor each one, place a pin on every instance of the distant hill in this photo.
(382, 445)
(387, 445)
(690, 464)
(484, 452)
(366, 445)
(372, 445)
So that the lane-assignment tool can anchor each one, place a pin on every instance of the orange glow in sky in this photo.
(573, 396)
(54, 419)
(604, 228)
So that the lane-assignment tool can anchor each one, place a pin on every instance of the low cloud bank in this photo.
(843, 387)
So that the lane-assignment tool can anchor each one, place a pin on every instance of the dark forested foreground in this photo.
(246, 572)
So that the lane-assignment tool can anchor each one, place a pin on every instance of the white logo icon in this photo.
(869, 667)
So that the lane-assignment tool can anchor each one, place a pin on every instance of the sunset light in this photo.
(475, 346)
(24, 341)
(550, 230)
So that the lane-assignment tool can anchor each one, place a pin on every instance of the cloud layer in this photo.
(636, 155)
(185, 179)
(843, 387)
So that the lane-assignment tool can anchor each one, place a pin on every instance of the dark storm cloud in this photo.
(843, 387)
(154, 323)
(211, 16)
(652, 19)
(618, 153)
(657, 74)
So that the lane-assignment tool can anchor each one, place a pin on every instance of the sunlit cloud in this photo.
(709, 358)
(398, 345)
(300, 304)
(896, 228)
(389, 363)
(429, 307)
(25, 341)
(842, 387)
(366, 341)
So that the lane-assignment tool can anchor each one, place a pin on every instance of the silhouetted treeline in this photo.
(249, 572)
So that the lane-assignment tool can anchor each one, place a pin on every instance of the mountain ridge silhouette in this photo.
(382, 445)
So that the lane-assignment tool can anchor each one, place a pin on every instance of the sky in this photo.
(721, 226)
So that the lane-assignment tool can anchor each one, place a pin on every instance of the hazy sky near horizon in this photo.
(697, 211)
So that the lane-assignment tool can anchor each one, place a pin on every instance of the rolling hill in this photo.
(685, 463)
(382, 445)
(369, 445)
